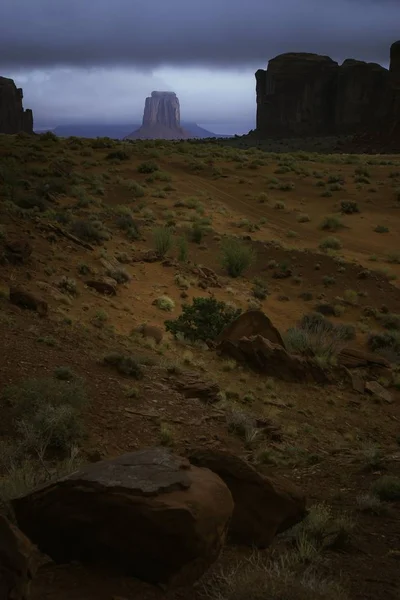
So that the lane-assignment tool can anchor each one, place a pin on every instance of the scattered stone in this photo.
(103, 287)
(377, 390)
(207, 277)
(273, 360)
(249, 323)
(150, 331)
(356, 380)
(192, 386)
(25, 299)
(264, 506)
(17, 252)
(353, 358)
(148, 256)
(148, 514)
(19, 560)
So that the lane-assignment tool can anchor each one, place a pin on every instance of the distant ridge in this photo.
(119, 132)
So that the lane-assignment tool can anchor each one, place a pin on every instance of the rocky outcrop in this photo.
(273, 360)
(13, 117)
(295, 95)
(264, 506)
(251, 322)
(161, 119)
(302, 94)
(148, 514)
(19, 560)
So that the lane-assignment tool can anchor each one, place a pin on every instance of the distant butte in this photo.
(161, 119)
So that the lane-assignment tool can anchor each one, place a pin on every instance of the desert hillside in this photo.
(112, 235)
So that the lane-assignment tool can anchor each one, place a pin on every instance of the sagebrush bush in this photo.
(236, 256)
(203, 320)
(148, 167)
(318, 337)
(330, 243)
(331, 223)
(47, 412)
(162, 240)
(126, 365)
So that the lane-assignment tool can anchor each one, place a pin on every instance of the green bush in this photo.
(148, 167)
(236, 256)
(162, 239)
(118, 155)
(387, 488)
(349, 207)
(331, 223)
(330, 243)
(203, 320)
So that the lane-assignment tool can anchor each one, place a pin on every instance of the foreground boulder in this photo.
(148, 514)
(264, 506)
(249, 323)
(273, 360)
(18, 562)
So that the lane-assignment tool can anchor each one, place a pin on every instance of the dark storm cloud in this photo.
(218, 33)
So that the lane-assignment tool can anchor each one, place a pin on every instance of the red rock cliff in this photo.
(13, 117)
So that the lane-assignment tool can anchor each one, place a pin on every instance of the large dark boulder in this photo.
(148, 514)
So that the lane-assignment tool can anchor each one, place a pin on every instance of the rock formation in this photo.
(13, 117)
(161, 119)
(302, 94)
(148, 514)
(264, 506)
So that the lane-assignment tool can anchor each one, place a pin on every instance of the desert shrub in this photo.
(316, 336)
(350, 297)
(236, 256)
(302, 218)
(182, 249)
(126, 365)
(148, 167)
(197, 231)
(90, 231)
(260, 289)
(164, 303)
(381, 229)
(349, 207)
(118, 155)
(137, 190)
(68, 285)
(203, 320)
(330, 243)
(331, 223)
(390, 321)
(387, 344)
(47, 412)
(387, 488)
(162, 239)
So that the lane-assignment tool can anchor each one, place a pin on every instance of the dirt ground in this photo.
(325, 433)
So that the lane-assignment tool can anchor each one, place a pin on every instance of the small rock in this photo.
(18, 251)
(26, 299)
(103, 287)
(377, 390)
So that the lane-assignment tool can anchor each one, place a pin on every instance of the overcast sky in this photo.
(97, 60)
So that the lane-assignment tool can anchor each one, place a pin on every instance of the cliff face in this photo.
(13, 117)
(308, 95)
(294, 94)
(161, 119)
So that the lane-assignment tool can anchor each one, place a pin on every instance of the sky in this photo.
(97, 60)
